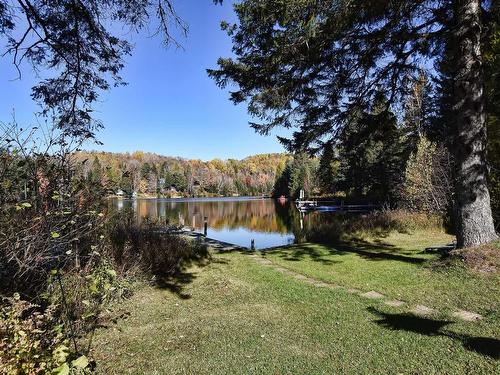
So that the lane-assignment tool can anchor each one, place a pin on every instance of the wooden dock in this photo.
(324, 206)
(214, 244)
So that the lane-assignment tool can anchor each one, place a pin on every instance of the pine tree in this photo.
(302, 175)
(96, 172)
(78, 42)
(328, 170)
(492, 69)
(298, 174)
(371, 159)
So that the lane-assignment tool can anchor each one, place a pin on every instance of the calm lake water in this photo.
(234, 220)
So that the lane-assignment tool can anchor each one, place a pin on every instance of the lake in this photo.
(234, 220)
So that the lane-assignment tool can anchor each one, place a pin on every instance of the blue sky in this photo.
(170, 106)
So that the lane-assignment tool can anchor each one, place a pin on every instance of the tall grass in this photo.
(335, 228)
(149, 248)
(394, 220)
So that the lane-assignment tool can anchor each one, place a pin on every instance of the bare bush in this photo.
(51, 240)
(50, 218)
(428, 182)
(149, 248)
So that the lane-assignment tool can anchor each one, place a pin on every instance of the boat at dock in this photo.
(306, 205)
(324, 206)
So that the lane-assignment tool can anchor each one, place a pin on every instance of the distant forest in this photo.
(149, 174)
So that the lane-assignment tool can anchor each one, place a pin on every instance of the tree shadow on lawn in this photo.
(177, 282)
(377, 251)
(485, 346)
(296, 253)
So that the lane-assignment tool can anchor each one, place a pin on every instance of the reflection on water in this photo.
(238, 221)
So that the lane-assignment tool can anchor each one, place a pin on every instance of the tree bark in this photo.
(473, 209)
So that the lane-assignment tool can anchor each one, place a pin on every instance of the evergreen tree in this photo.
(96, 173)
(328, 170)
(372, 164)
(281, 187)
(492, 69)
(302, 175)
(145, 170)
(298, 174)
(77, 40)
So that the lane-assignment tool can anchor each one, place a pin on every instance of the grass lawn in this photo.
(397, 266)
(237, 316)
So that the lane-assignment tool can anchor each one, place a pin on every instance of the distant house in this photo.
(172, 189)
(120, 193)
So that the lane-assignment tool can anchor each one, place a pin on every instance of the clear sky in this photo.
(170, 106)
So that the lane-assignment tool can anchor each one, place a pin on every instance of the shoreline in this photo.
(192, 199)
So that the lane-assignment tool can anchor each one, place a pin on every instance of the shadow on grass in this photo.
(177, 283)
(377, 251)
(485, 346)
(296, 253)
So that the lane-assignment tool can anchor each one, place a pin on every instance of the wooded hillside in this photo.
(151, 174)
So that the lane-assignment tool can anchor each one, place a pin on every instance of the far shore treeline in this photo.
(152, 175)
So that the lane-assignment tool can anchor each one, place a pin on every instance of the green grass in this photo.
(397, 266)
(236, 316)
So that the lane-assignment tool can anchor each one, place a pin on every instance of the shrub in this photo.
(397, 220)
(428, 182)
(335, 228)
(149, 248)
(82, 296)
(50, 216)
(32, 341)
(51, 247)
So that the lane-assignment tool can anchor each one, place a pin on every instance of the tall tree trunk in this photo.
(473, 210)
